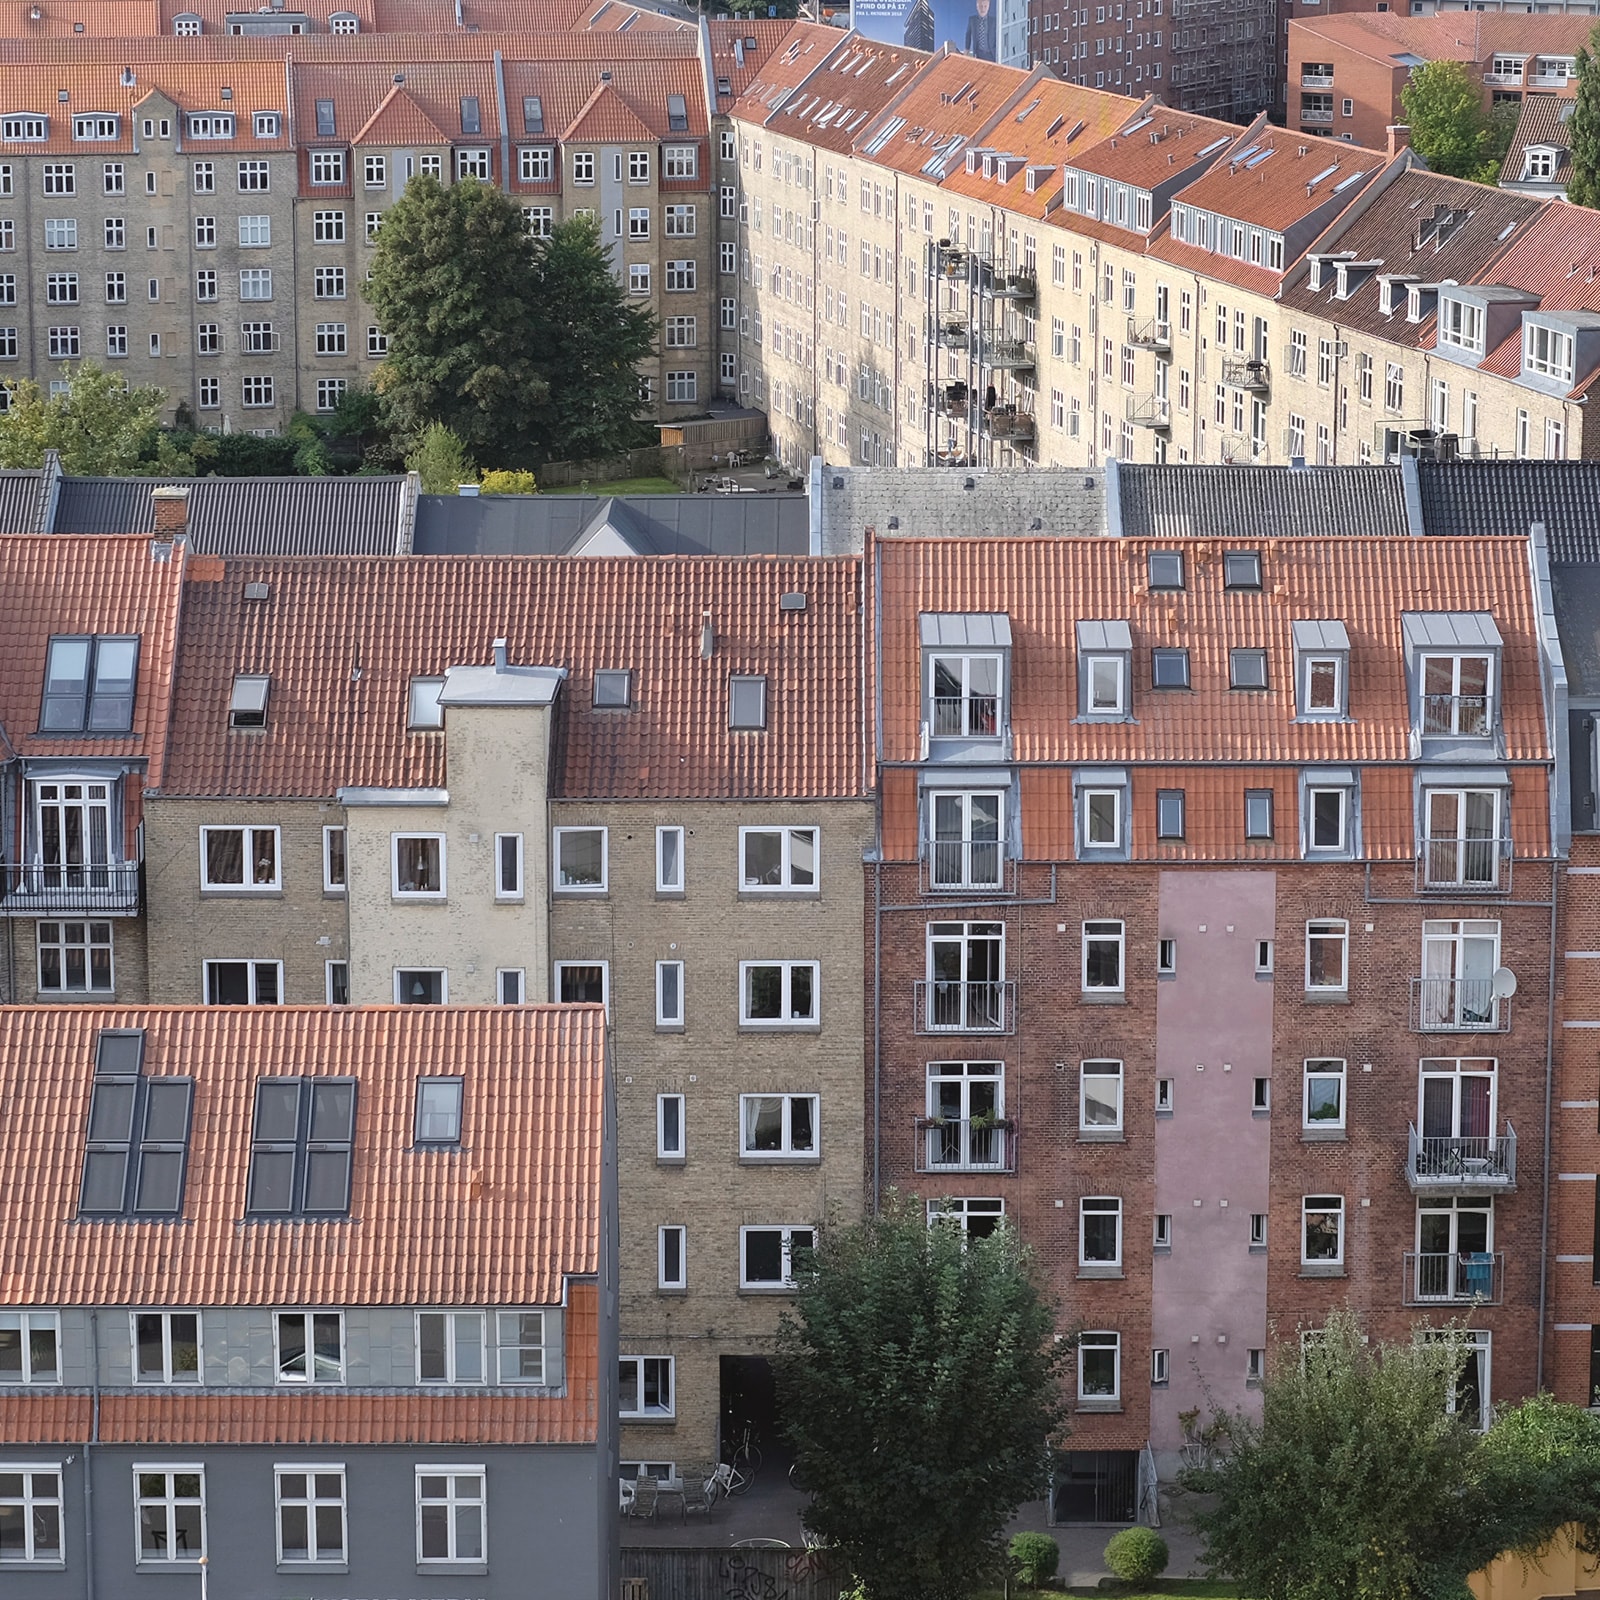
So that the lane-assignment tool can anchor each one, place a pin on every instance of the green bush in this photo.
(1137, 1555)
(1036, 1557)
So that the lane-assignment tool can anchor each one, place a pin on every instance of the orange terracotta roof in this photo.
(399, 121)
(65, 18)
(503, 1222)
(56, 584)
(945, 108)
(1448, 36)
(803, 49)
(740, 65)
(435, 89)
(420, 616)
(629, 106)
(1046, 586)
(328, 1416)
(1156, 147)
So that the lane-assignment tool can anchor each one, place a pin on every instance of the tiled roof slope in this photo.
(50, 585)
(248, 516)
(504, 1222)
(20, 491)
(329, 727)
(1046, 586)
(1435, 228)
(1545, 119)
(1247, 503)
(1506, 497)
(1449, 36)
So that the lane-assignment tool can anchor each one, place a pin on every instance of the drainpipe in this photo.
(88, 1460)
(1549, 1084)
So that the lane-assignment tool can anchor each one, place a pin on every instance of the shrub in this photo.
(505, 482)
(1036, 1557)
(1137, 1555)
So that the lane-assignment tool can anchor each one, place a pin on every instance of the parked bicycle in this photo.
(727, 1479)
(747, 1452)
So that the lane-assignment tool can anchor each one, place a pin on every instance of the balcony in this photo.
(966, 1145)
(1456, 716)
(951, 1006)
(1450, 865)
(952, 400)
(1452, 1166)
(1149, 411)
(1318, 77)
(1316, 114)
(1458, 1005)
(954, 334)
(34, 889)
(1009, 355)
(1006, 422)
(1156, 334)
(967, 866)
(1018, 287)
(1254, 374)
(966, 716)
(1471, 1278)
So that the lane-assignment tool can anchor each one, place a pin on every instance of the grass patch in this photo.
(1165, 1589)
(622, 486)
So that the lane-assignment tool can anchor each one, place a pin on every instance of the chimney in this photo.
(1399, 139)
(172, 511)
(708, 637)
(499, 655)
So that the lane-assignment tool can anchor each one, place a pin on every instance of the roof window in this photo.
(247, 706)
(138, 1137)
(325, 120)
(471, 117)
(677, 114)
(1169, 669)
(747, 701)
(1166, 569)
(532, 114)
(423, 710)
(1241, 569)
(301, 1147)
(89, 683)
(613, 688)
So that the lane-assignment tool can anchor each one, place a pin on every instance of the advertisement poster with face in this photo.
(988, 30)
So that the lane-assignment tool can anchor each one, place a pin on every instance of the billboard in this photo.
(973, 27)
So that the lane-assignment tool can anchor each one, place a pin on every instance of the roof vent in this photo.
(399, 77)
(468, 489)
(499, 655)
(794, 600)
(708, 637)
(258, 591)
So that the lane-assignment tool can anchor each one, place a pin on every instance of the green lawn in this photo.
(1195, 1588)
(622, 486)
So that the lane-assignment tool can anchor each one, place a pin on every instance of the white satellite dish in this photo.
(1503, 984)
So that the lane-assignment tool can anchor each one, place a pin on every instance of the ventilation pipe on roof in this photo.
(708, 637)
(499, 655)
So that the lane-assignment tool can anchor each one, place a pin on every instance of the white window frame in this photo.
(1086, 797)
(666, 1017)
(664, 1151)
(516, 891)
(663, 886)
(274, 886)
(454, 1502)
(423, 711)
(423, 1135)
(28, 1323)
(1102, 1129)
(665, 1283)
(311, 1500)
(514, 980)
(28, 1500)
(786, 1151)
(1091, 663)
(514, 1319)
(1338, 930)
(786, 863)
(1120, 938)
(328, 971)
(310, 1380)
(1340, 845)
(1100, 1205)
(786, 1231)
(788, 968)
(557, 836)
(452, 1316)
(169, 1470)
(1104, 1339)
(395, 891)
(1160, 1368)
(645, 1413)
(329, 884)
(1333, 1204)
(166, 1380)
(1333, 1070)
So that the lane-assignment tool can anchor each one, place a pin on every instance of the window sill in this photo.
(1260, 1113)
(1165, 977)
(177, 1564)
(751, 1159)
(1322, 1269)
(1099, 1136)
(23, 1568)
(571, 893)
(288, 1567)
(240, 892)
(464, 1569)
(1092, 998)
(776, 893)
(1323, 1136)
(1105, 1407)
(1095, 1269)
(1332, 997)
(417, 899)
(670, 1027)
(669, 894)
(780, 1027)
(1263, 977)
(766, 1289)
(510, 900)
(672, 1294)
(672, 1161)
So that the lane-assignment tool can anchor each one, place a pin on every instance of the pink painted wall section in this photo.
(1213, 1039)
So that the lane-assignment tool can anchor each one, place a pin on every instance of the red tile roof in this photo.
(401, 619)
(1545, 119)
(1448, 36)
(400, 121)
(435, 88)
(56, 584)
(504, 1222)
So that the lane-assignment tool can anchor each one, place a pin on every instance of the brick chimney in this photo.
(1399, 139)
(172, 511)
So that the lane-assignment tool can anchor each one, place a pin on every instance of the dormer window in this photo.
(267, 124)
(89, 684)
(1105, 654)
(1321, 670)
(95, 127)
(1461, 324)
(965, 656)
(1166, 569)
(247, 705)
(1538, 164)
(1453, 662)
(186, 25)
(210, 125)
(1329, 813)
(1456, 695)
(344, 22)
(1547, 352)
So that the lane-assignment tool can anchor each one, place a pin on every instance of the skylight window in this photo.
(89, 684)
(1212, 148)
(138, 1136)
(247, 706)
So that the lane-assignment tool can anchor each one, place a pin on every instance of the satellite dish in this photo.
(1503, 984)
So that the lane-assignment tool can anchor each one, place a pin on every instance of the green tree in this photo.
(455, 287)
(442, 462)
(1444, 109)
(1583, 183)
(920, 1378)
(594, 342)
(99, 425)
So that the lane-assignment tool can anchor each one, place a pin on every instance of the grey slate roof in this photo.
(249, 516)
(1576, 591)
(657, 525)
(21, 490)
(1507, 496)
(1259, 502)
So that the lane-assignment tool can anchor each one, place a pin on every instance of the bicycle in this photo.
(726, 1479)
(748, 1449)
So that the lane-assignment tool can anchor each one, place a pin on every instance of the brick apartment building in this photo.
(1206, 869)
(491, 781)
(324, 1299)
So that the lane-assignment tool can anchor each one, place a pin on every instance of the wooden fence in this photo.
(644, 463)
(658, 1573)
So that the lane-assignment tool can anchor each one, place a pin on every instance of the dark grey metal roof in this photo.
(1259, 502)
(21, 489)
(248, 516)
(653, 525)
(1576, 591)
(1506, 497)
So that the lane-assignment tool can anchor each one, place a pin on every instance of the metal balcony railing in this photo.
(39, 889)
(1149, 411)
(966, 1145)
(966, 716)
(1316, 114)
(954, 335)
(1311, 78)
(952, 400)
(1461, 1166)
(1253, 374)
(1006, 422)
(988, 1005)
(1156, 334)
(1008, 354)
(1472, 1277)
(1449, 864)
(1458, 1005)
(1017, 286)
(956, 866)
(1465, 716)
